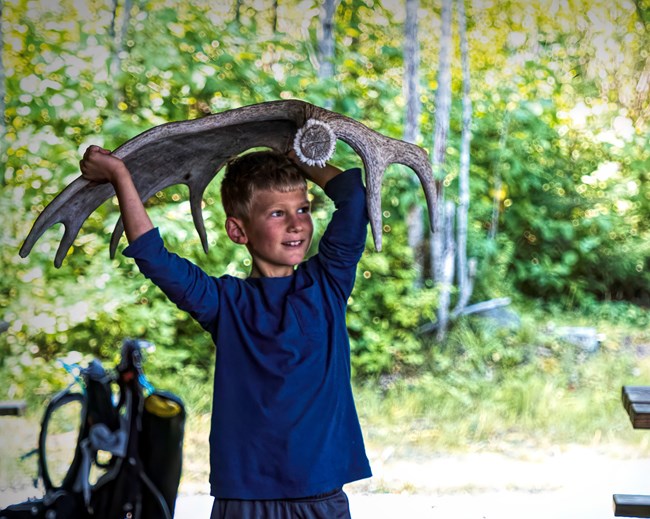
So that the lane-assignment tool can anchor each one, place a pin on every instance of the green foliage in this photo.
(556, 123)
(573, 194)
(383, 323)
(557, 395)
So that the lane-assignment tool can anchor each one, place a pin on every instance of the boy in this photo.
(285, 436)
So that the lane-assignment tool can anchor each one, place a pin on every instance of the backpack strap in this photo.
(100, 438)
(157, 494)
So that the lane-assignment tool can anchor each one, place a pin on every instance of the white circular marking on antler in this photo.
(314, 143)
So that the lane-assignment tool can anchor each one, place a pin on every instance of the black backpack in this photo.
(131, 439)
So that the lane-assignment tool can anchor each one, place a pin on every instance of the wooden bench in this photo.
(636, 401)
(12, 407)
(631, 505)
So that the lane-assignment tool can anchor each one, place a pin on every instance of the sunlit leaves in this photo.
(560, 116)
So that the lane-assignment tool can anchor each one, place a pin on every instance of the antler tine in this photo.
(69, 235)
(48, 217)
(115, 237)
(71, 207)
(196, 199)
(374, 177)
(377, 152)
(417, 159)
(197, 186)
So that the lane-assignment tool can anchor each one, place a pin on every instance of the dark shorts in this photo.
(333, 505)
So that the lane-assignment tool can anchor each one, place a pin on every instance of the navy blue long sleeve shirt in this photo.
(284, 423)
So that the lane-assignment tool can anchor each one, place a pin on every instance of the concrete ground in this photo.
(573, 483)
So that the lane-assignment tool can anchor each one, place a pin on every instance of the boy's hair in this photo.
(257, 171)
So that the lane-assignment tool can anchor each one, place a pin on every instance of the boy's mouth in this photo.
(295, 243)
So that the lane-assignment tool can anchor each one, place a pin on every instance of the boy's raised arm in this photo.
(98, 165)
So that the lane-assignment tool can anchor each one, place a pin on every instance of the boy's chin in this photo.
(298, 254)
(297, 260)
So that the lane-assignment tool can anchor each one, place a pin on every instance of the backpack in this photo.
(132, 438)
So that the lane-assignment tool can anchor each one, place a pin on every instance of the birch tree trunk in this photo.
(326, 40)
(238, 6)
(275, 16)
(117, 41)
(443, 107)
(412, 126)
(465, 274)
(498, 183)
(447, 270)
(326, 45)
(411, 72)
(442, 246)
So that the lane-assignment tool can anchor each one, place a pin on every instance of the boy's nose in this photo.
(295, 225)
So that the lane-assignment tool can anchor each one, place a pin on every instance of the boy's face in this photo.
(277, 231)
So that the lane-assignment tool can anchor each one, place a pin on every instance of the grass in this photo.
(551, 399)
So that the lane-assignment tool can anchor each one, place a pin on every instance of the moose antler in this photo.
(192, 153)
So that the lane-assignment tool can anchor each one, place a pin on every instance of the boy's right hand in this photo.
(99, 165)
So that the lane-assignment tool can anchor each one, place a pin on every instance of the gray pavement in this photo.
(569, 484)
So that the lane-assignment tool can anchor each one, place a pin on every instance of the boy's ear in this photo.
(235, 230)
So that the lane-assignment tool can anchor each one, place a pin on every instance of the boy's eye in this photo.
(304, 210)
(277, 213)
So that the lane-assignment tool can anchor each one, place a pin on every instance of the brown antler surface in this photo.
(192, 152)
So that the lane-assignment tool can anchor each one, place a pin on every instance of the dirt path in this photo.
(570, 482)
(573, 482)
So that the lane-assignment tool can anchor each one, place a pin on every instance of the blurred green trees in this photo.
(559, 154)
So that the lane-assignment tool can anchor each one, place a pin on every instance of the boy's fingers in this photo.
(95, 149)
(89, 151)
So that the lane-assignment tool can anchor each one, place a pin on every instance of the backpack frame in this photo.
(139, 438)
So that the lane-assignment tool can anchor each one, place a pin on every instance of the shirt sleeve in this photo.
(184, 283)
(344, 240)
